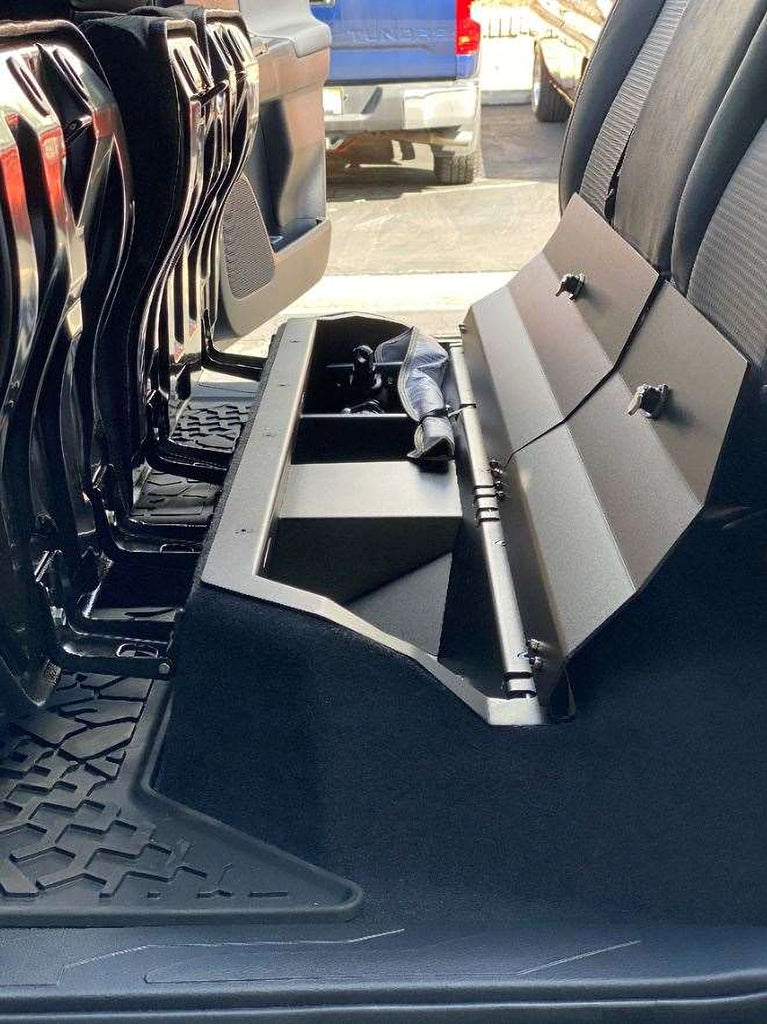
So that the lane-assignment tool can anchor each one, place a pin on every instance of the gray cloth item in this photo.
(419, 384)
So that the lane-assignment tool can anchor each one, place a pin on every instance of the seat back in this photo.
(230, 113)
(98, 192)
(620, 72)
(187, 151)
(631, 143)
(144, 58)
(60, 164)
(708, 47)
(719, 256)
(599, 178)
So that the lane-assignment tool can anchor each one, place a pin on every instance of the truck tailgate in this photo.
(393, 40)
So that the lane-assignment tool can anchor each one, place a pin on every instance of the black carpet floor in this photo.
(651, 806)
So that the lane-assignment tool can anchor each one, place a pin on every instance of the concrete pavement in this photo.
(406, 247)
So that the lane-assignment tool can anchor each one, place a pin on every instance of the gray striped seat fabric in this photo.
(728, 283)
(610, 145)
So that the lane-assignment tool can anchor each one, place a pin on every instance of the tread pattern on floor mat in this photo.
(82, 835)
(166, 498)
(212, 425)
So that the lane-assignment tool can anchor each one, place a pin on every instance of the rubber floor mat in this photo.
(85, 840)
(215, 426)
(166, 498)
(206, 424)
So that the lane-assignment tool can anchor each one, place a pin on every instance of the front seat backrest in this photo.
(708, 47)
(720, 244)
(599, 177)
(628, 26)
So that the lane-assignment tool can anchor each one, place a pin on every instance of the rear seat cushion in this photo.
(619, 44)
(709, 45)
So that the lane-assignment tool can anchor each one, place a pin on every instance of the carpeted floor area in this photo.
(651, 806)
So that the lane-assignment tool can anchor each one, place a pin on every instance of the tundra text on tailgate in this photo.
(408, 73)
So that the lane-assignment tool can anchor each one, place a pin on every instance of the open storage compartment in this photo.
(358, 521)
(489, 574)
(328, 431)
(326, 437)
(328, 512)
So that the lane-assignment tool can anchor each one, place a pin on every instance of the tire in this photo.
(549, 106)
(456, 168)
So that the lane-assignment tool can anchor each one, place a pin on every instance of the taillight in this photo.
(467, 30)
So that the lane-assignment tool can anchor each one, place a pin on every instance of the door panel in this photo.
(276, 235)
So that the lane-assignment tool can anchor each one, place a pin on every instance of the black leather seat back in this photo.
(98, 191)
(230, 113)
(157, 73)
(60, 170)
(189, 96)
(231, 47)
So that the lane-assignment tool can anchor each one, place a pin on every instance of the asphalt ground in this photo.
(407, 247)
(411, 225)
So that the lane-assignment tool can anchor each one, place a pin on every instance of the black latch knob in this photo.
(571, 285)
(650, 400)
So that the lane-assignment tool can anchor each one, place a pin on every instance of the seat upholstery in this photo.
(599, 178)
(619, 45)
(708, 47)
(630, 146)
(719, 255)
(728, 283)
(738, 120)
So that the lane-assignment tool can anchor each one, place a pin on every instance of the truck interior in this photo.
(382, 677)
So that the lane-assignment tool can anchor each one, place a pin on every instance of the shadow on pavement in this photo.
(515, 147)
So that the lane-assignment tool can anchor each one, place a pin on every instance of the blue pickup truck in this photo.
(409, 72)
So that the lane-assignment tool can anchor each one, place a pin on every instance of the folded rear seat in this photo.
(73, 345)
(597, 135)
(138, 57)
(710, 44)
(63, 165)
(719, 256)
(188, 136)
(535, 356)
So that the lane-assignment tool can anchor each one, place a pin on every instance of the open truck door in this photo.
(276, 233)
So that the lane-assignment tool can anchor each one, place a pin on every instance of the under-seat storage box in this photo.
(361, 541)
(344, 529)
